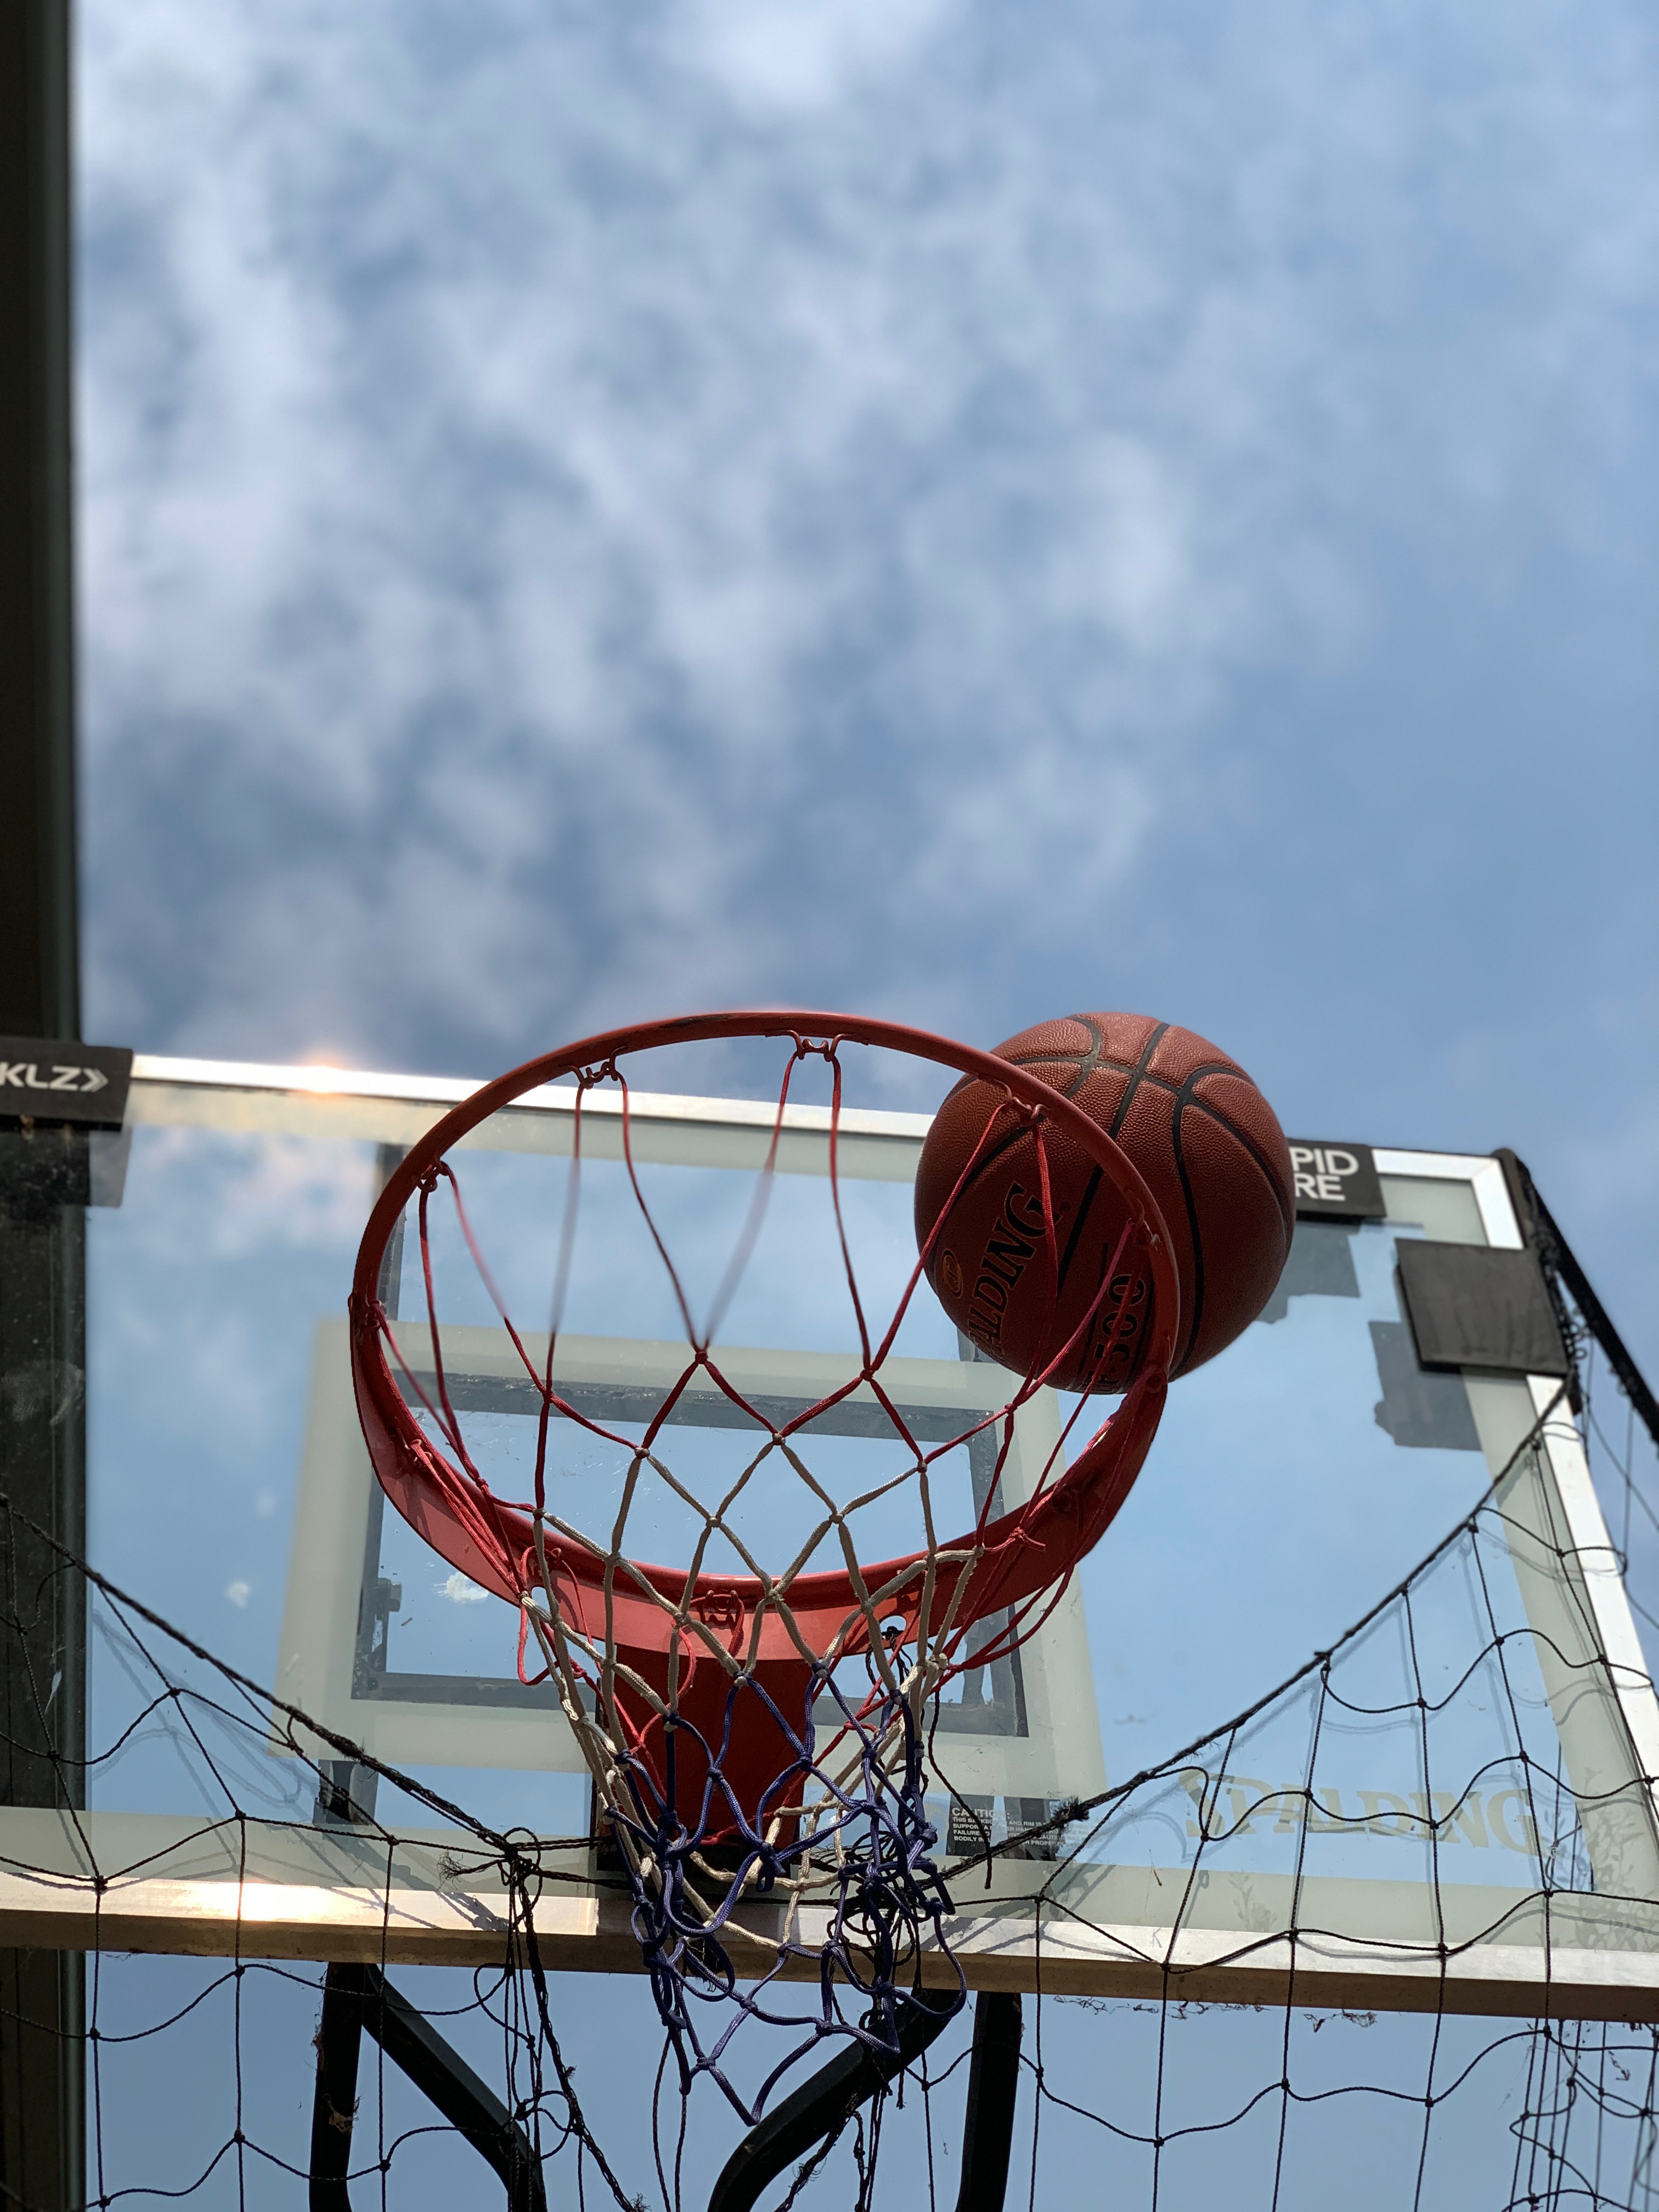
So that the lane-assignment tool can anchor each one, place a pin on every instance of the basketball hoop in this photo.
(698, 1698)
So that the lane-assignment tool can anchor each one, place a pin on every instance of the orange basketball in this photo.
(1202, 1134)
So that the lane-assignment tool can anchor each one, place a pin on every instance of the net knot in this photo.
(807, 1047)
(722, 1608)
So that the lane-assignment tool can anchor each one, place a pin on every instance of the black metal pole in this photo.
(1560, 1265)
(39, 954)
(820, 2108)
(359, 1998)
(987, 2126)
(42, 1249)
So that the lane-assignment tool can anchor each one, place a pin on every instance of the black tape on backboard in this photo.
(1472, 1307)
(1335, 1182)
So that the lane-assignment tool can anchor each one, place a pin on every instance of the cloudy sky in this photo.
(956, 510)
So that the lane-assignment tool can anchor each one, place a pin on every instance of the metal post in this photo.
(987, 2126)
(42, 1249)
(355, 1997)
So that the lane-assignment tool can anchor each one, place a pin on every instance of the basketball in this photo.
(1209, 1149)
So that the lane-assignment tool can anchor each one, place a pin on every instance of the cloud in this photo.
(459, 1590)
(793, 55)
(584, 515)
(235, 1193)
(238, 1594)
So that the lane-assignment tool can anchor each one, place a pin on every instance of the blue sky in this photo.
(957, 511)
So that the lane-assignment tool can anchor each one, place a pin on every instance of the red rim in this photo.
(1027, 1551)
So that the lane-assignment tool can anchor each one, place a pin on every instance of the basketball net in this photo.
(761, 1744)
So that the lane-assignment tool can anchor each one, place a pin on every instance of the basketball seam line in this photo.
(1086, 1065)
(1197, 1240)
(1183, 1098)
(1086, 1069)
(1214, 1113)
(1086, 1202)
(1138, 1075)
(1182, 1095)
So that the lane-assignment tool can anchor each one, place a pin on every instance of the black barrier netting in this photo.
(215, 2080)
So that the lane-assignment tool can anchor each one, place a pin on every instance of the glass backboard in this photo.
(1397, 1574)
